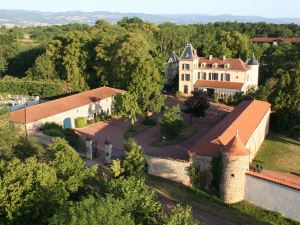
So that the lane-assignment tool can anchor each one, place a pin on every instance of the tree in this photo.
(140, 200)
(196, 105)
(30, 191)
(134, 163)
(10, 134)
(171, 122)
(180, 215)
(43, 69)
(126, 105)
(103, 211)
(3, 65)
(27, 147)
(69, 166)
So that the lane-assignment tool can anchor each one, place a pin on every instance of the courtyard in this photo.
(115, 129)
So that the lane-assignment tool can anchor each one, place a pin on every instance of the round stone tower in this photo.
(235, 164)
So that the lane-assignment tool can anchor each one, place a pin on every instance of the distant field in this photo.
(279, 153)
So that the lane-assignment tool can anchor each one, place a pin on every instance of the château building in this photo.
(224, 76)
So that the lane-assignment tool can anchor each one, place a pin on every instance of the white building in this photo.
(65, 110)
(224, 76)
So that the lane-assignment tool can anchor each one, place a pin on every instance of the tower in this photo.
(188, 64)
(235, 164)
(253, 65)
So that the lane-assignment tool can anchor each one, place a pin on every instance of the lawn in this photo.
(279, 153)
(185, 134)
(207, 206)
(137, 129)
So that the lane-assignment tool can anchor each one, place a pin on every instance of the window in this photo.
(203, 65)
(226, 66)
(187, 77)
(182, 66)
(222, 76)
(215, 65)
(187, 66)
(185, 89)
(182, 77)
(199, 76)
(204, 76)
(214, 76)
(209, 76)
(227, 77)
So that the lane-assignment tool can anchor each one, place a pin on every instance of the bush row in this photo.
(33, 88)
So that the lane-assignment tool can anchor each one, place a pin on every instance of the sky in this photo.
(265, 8)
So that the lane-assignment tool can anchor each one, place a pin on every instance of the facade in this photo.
(224, 76)
(65, 110)
(172, 68)
(236, 139)
(274, 40)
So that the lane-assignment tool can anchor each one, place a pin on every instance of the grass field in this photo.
(208, 206)
(279, 153)
(186, 133)
(137, 129)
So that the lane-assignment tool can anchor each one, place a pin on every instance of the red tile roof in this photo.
(287, 180)
(234, 64)
(244, 118)
(219, 84)
(44, 110)
(275, 39)
(235, 147)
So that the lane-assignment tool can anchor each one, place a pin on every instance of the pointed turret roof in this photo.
(252, 61)
(188, 52)
(173, 58)
(235, 147)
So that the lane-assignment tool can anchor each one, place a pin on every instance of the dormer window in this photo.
(203, 65)
(226, 66)
(187, 55)
(215, 65)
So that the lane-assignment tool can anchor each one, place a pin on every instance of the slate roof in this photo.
(173, 58)
(188, 53)
(245, 118)
(252, 61)
(50, 108)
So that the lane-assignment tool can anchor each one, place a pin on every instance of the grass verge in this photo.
(186, 133)
(280, 153)
(205, 204)
(137, 129)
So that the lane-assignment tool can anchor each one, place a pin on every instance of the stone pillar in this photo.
(108, 150)
(88, 147)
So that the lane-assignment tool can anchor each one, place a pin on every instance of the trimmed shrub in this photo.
(148, 121)
(55, 133)
(98, 119)
(91, 121)
(179, 94)
(80, 122)
(51, 125)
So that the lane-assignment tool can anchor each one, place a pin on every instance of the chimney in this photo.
(210, 57)
(224, 57)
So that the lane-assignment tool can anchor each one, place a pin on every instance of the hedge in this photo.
(80, 122)
(30, 87)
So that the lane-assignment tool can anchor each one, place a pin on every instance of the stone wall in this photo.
(273, 196)
(170, 169)
(233, 178)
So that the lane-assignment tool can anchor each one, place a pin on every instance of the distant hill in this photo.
(24, 18)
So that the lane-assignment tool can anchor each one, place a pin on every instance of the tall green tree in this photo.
(127, 105)
(134, 162)
(171, 122)
(196, 105)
